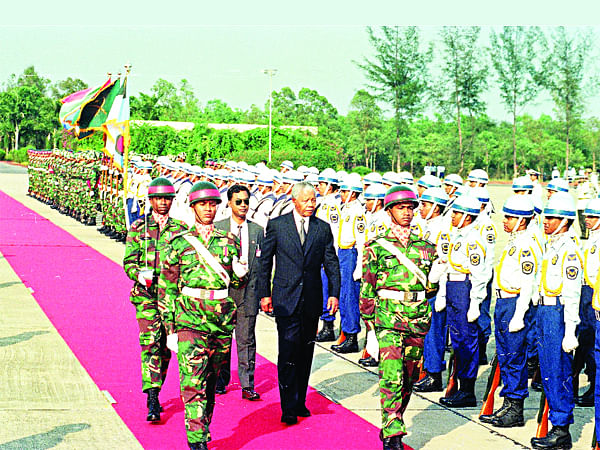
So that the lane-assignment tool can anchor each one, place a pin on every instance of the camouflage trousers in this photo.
(201, 356)
(153, 339)
(400, 354)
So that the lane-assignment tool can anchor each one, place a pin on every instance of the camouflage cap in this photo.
(204, 190)
(161, 187)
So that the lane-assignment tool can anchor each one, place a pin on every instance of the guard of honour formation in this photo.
(416, 261)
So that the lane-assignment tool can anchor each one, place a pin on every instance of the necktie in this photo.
(240, 236)
(302, 232)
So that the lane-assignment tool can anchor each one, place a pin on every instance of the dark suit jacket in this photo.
(297, 269)
(246, 299)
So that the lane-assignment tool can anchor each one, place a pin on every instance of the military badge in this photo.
(572, 257)
(445, 247)
(525, 253)
(333, 218)
(490, 238)
(475, 260)
(361, 227)
(472, 246)
(572, 272)
(512, 251)
(226, 259)
(527, 267)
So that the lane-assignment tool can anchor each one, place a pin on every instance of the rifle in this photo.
(492, 384)
(542, 417)
(452, 386)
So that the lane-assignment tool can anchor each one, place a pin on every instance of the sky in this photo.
(222, 47)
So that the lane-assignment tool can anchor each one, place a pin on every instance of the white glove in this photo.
(239, 268)
(473, 312)
(357, 274)
(440, 303)
(516, 323)
(172, 341)
(372, 345)
(437, 270)
(145, 277)
(569, 342)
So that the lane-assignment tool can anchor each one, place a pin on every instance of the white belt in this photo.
(548, 301)
(503, 294)
(205, 294)
(458, 276)
(401, 295)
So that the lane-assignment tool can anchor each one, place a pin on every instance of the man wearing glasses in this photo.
(250, 235)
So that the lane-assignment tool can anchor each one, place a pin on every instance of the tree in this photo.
(464, 78)
(513, 57)
(398, 73)
(364, 120)
(562, 76)
(61, 89)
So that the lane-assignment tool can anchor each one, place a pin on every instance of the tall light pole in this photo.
(270, 72)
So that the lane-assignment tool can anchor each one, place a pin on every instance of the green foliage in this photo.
(2, 155)
(361, 170)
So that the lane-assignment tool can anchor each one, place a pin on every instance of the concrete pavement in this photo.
(43, 407)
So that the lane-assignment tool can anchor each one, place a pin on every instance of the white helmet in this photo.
(468, 205)
(522, 184)
(560, 205)
(519, 206)
(429, 181)
(481, 193)
(391, 178)
(375, 192)
(372, 178)
(454, 179)
(478, 176)
(436, 196)
(558, 185)
(592, 209)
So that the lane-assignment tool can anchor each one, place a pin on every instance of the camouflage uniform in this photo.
(400, 325)
(204, 325)
(145, 248)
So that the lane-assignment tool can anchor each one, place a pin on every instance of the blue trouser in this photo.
(556, 366)
(511, 349)
(132, 216)
(462, 333)
(349, 291)
(325, 316)
(435, 341)
(585, 330)
(597, 390)
(484, 321)
(531, 327)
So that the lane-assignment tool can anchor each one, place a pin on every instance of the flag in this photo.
(73, 104)
(116, 126)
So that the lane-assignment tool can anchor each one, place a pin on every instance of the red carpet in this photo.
(86, 297)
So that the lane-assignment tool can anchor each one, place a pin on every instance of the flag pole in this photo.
(126, 157)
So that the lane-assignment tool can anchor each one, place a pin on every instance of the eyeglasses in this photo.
(245, 201)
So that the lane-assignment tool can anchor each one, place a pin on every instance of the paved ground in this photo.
(47, 400)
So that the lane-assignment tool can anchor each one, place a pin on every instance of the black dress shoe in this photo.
(197, 446)
(289, 419)
(221, 390)
(536, 386)
(153, 405)
(368, 362)
(431, 383)
(250, 394)
(393, 443)
(303, 412)
(461, 399)
(326, 334)
(350, 344)
(587, 399)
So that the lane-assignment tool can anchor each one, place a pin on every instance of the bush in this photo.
(2, 155)
(19, 156)
(361, 170)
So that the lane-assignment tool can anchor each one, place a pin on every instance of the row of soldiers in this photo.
(540, 264)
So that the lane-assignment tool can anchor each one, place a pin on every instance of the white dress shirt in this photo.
(297, 219)
(241, 233)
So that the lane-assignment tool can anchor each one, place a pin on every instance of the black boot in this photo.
(483, 360)
(350, 344)
(431, 383)
(197, 445)
(532, 365)
(487, 418)
(326, 334)
(464, 397)
(153, 405)
(558, 438)
(511, 417)
(586, 399)
(393, 443)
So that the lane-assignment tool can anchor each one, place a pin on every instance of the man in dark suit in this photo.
(301, 244)
(251, 236)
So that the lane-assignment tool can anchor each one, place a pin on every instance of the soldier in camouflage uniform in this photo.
(397, 279)
(197, 310)
(144, 251)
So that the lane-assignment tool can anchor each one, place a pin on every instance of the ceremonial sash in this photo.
(204, 254)
(403, 260)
